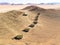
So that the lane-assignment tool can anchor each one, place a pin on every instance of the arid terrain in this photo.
(38, 24)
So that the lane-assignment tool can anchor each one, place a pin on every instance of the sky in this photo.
(29, 1)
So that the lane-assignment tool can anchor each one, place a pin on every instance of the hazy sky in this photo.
(29, 1)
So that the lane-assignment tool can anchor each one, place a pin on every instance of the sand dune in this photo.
(45, 29)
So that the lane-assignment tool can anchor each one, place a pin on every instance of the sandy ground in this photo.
(45, 32)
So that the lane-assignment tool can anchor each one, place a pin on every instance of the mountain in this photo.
(4, 3)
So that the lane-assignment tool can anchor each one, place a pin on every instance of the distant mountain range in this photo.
(5, 3)
(44, 3)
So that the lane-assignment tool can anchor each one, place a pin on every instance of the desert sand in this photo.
(45, 21)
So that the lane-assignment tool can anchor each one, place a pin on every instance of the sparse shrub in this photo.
(32, 25)
(18, 37)
(26, 30)
(35, 19)
(35, 22)
(38, 14)
(24, 14)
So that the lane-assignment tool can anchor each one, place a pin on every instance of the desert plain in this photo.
(45, 21)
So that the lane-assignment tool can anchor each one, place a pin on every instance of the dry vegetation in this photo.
(33, 25)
